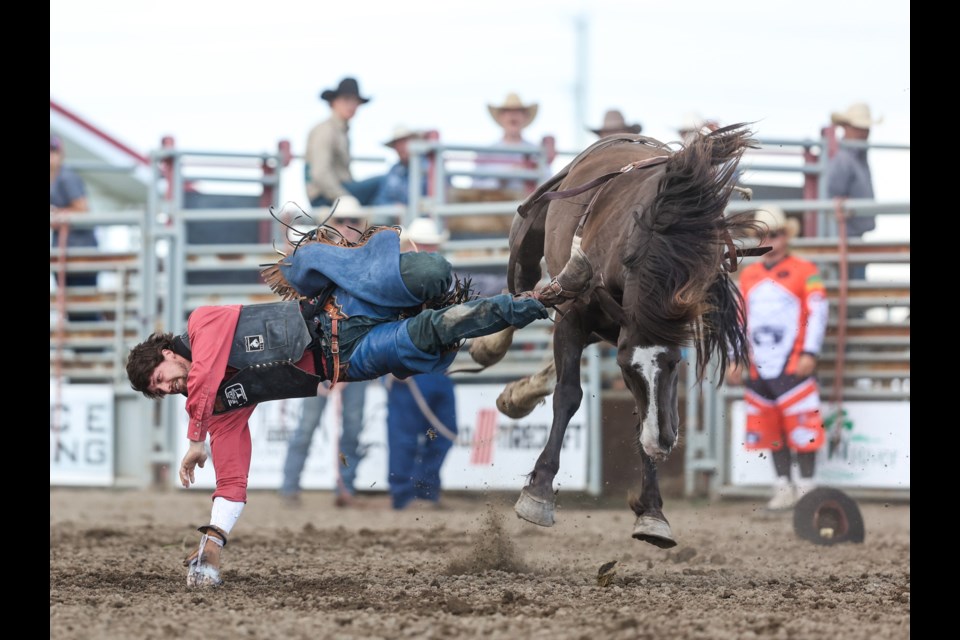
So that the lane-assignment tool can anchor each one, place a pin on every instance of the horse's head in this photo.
(661, 315)
(652, 375)
(675, 289)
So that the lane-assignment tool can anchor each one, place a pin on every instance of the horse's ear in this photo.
(610, 306)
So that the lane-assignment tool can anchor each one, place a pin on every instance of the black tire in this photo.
(825, 508)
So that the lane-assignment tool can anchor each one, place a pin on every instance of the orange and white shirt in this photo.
(786, 307)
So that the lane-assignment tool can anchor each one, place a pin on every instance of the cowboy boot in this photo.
(572, 280)
(204, 563)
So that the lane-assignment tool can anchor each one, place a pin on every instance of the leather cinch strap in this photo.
(333, 311)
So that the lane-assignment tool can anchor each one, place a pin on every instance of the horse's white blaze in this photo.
(645, 360)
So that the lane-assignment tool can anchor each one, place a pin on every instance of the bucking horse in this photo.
(637, 235)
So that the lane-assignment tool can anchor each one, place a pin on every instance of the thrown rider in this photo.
(350, 311)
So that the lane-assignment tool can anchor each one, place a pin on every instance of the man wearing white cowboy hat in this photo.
(513, 116)
(423, 234)
(395, 188)
(327, 159)
(614, 122)
(786, 322)
(848, 171)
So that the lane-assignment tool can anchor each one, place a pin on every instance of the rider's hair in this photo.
(144, 358)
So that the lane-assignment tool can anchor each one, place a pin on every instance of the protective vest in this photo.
(268, 342)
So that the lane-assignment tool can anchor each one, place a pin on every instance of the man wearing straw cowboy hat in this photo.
(613, 123)
(327, 159)
(513, 116)
(848, 171)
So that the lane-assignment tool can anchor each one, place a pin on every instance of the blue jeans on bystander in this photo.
(298, 448)
(417, 448)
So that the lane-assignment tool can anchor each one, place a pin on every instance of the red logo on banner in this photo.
(481, 450)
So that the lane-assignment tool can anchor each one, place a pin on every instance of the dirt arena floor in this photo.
(471, 570)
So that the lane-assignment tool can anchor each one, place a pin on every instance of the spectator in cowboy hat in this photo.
(423, 234)
(395, 188)
(848, 171)
(327, 159)
(614, 122)
(513, 116)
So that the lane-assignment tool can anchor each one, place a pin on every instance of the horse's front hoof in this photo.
(534, 509)
(655, 531)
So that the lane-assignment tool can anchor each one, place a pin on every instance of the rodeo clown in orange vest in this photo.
(351, 311)
(787, 311)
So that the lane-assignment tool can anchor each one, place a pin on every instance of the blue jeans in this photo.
(298, 448)
(416, 449)
(422, 344)
(363, 190)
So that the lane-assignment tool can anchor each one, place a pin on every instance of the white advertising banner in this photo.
(491, 452)
(868, 446)
(497, 452)
(81, 435)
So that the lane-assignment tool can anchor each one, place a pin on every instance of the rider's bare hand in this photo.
(196, 456)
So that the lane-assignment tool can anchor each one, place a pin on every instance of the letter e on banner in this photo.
(81, 446)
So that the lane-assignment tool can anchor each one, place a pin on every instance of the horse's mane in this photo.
(676, 250)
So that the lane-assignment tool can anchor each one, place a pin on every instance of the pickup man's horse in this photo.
(648, 223)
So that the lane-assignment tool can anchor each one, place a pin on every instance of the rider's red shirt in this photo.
(211, 335)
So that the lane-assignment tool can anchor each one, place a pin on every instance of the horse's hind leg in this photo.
(520, 397)
(537, 502)
(489, 350)
(651, 525)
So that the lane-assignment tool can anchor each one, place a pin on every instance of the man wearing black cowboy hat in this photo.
(327, 160)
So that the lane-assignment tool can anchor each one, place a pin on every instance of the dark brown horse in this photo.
(651, 221)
